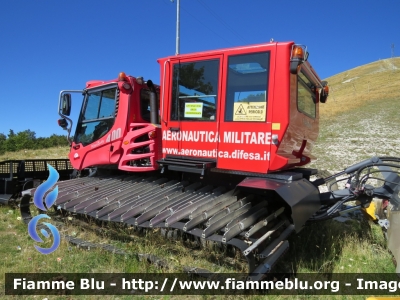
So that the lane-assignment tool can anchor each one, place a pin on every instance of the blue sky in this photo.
(49, 45)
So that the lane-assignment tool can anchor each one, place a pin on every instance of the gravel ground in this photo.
(354, 137)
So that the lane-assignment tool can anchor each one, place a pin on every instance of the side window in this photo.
(195, 91)
(92, 106)
(247, 87)
(305, 96)
(100, 105)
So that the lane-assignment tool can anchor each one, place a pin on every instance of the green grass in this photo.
(334, 247)
(328, 247)
(20, 256)
(54, 152)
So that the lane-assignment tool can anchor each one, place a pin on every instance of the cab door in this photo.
(192, 113)
(96, 128)
(244, 127)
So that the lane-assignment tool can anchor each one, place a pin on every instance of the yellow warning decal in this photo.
(249, 111)
(276, 126)
(193, 110)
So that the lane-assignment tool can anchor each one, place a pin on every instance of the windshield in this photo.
(97, 116)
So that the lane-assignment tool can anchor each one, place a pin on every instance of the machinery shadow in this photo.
(319, 246)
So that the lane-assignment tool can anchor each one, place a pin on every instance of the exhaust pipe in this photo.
(153, 103)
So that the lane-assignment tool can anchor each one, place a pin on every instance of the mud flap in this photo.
(301, 195)
(394, 237)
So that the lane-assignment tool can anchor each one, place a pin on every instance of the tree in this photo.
(11, 133)
(3, 140)
(193, 78)
(27, 140)
(254, 98)
(24, 140)
(58, 140)
(10, 143)
(30, 134)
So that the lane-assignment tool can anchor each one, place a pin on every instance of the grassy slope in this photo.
(358, 121)
(349, 90)
(55, 152)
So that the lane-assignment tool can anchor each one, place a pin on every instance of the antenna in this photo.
(177, 25)
(392, 50)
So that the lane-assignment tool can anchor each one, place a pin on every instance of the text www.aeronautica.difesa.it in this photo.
(235, 154)
(251, 138)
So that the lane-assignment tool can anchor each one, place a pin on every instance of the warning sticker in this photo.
(240, 111)
(249, 111)
(193, 110)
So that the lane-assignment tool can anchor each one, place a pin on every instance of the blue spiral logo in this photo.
(49, 201)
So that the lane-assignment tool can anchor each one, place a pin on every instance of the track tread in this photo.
(208, 213)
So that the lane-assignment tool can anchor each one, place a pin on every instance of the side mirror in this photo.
(66, 104)
(324, 92)
(323, 98)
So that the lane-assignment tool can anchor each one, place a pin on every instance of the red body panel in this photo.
(129, 145)
(281, 138)
(245, 146)
(110, 148)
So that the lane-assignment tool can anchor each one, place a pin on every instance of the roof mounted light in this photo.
(139, 80)
(122, 76)
(298, 55)
(298, 52)
(125, 84)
